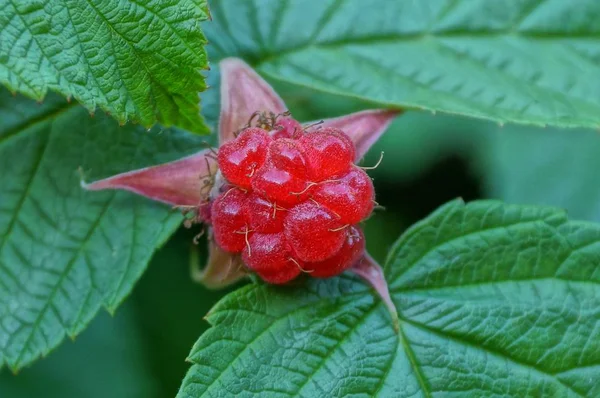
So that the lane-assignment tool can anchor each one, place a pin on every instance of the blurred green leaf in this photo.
(517, 164)
(171, 309)
(64, 252)
(545, 166)
(493, 299)
(108, 359)
(533, 61)
(137, 60)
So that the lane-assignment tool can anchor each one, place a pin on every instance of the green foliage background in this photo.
(429, 160)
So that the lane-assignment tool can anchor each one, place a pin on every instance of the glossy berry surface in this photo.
(270, 256)
(314, 232)
(350, 252)
(229, 220)
(328, 151)
(263, 215)
(241, 158)
(350, 196)
(291, 200)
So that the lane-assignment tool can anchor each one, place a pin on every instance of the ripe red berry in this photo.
(280, 185)
(286, 127)
(270, 256)
(328, 152)
(287, 154)
(351, 196)
(291, 201)
(241, 158)
(351, 251)
(263, 215)
(314, 232)
(229, 221)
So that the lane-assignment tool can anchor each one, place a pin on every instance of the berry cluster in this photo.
(292, 200)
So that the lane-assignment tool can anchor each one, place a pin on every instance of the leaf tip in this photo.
(14, 369)
(82, 182)
(112, 309)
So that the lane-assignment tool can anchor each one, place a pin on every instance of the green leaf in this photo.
(546, 166)
(494, 300)
(114, 345)
(534, 62)
(137, 60)
(166, 295)
(66, 252)
(517, 164)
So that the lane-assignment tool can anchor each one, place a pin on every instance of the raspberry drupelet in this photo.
(293, 200)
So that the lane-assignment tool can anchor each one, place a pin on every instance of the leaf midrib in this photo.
(467, 343)
(65, 272)
(31, 122)
(395, 38)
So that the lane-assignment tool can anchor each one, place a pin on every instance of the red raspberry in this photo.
(239, 159)
(291, 201)
(264, 216)
(314, 232)
(229, 221)
(270, 256)
(350, 253)
(351, 196)
(329, 152)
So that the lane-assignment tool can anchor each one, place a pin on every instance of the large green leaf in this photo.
(137, 60)
(494, 300)
(65, 252)
(533, 61)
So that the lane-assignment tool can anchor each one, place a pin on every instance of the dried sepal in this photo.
(243, 94)
(184, 182)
